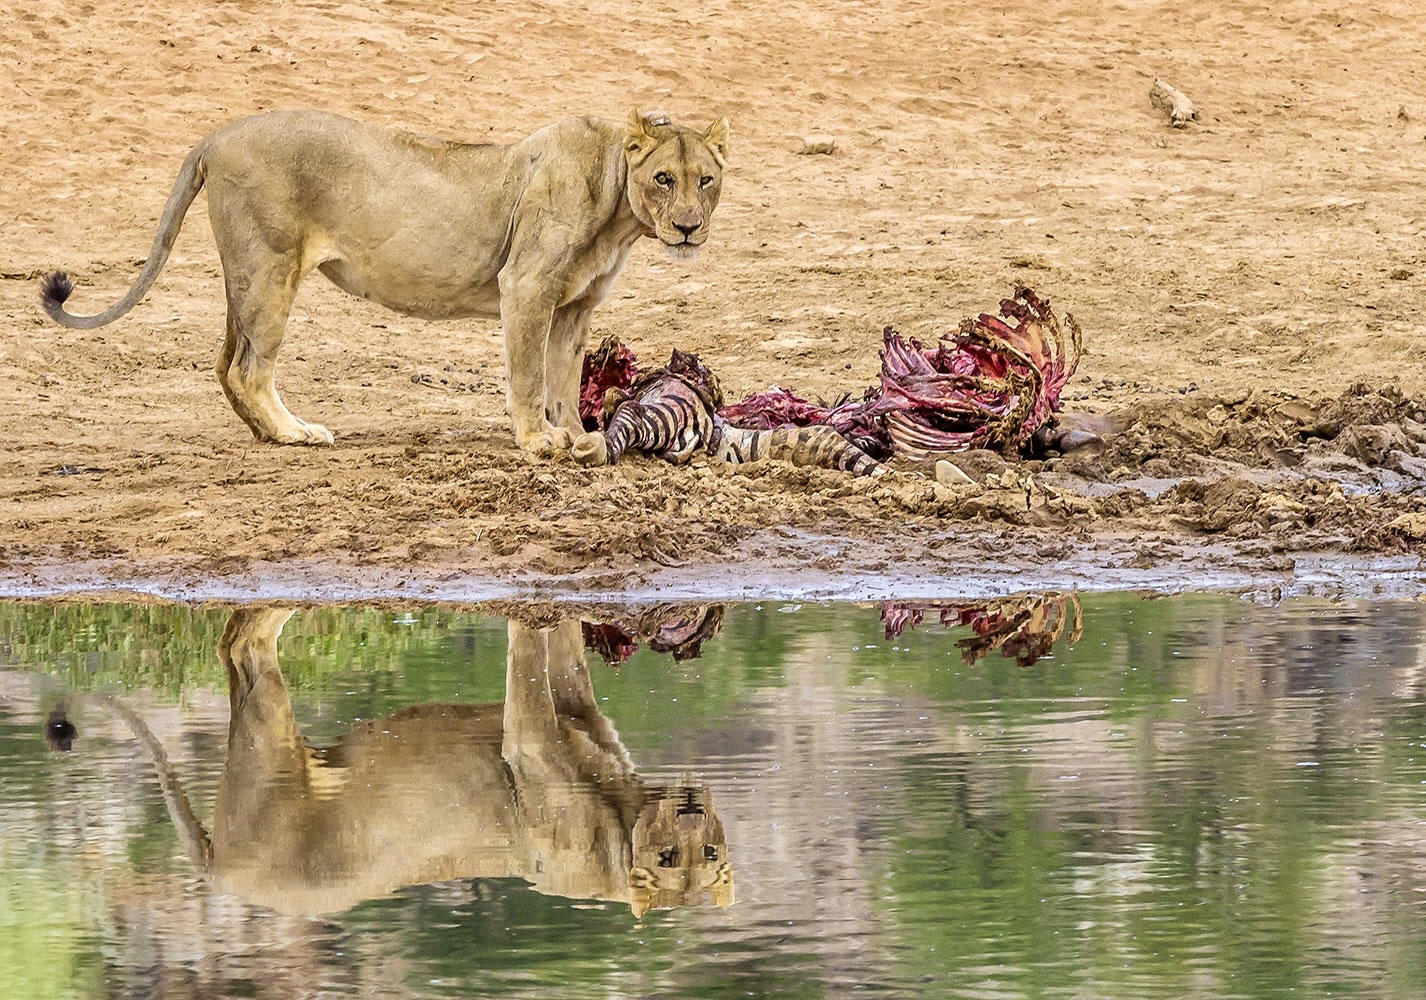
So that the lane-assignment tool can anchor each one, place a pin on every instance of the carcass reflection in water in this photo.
(677, 629)
(1023, 627)
(538, 786)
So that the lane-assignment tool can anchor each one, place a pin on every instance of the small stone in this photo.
(810, 145)
(949, 474)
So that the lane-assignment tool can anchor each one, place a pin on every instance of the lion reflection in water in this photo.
(537, 787)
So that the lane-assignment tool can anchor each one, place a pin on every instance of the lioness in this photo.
(538, 787)
(533, 233)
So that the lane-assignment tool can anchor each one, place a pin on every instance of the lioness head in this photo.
(675, 175)
(680, 855)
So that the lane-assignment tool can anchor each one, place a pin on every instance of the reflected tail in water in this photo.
(197, 844)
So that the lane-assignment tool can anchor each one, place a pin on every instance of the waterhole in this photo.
(1048, 795)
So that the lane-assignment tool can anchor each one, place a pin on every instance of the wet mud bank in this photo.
(1259, 492)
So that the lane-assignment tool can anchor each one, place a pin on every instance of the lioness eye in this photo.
(703, 182)
(663, 179)
(668, 857)
(710, 853)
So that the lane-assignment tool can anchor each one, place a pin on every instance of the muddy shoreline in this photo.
(327, 581)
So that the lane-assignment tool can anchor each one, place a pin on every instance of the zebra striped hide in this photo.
(671, 413)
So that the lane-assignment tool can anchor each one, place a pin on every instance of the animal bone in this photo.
(1173, 103)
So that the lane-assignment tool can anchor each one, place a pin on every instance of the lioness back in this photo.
(369, 206)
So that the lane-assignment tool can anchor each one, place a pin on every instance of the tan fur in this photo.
(538, 787)
(532, 233)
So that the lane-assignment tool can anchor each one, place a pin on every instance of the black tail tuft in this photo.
(55, 289)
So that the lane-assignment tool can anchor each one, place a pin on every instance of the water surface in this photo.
(1197, 796)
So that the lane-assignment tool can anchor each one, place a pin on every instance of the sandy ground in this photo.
(1250, 288)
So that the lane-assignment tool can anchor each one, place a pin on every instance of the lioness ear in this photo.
(638, 143)
(716, 136)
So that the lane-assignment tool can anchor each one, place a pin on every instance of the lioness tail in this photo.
(57, 286)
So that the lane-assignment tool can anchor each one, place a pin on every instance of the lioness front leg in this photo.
(526, 316)
(564, 366)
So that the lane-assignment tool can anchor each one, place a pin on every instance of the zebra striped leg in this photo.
(817, 445)
(669, 420)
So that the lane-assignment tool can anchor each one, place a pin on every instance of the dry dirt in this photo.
(1250, 287)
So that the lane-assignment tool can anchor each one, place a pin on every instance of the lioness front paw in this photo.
(310, 434)
(302, 433)
(546, 442)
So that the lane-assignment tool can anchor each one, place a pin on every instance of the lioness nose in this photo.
(687, 228)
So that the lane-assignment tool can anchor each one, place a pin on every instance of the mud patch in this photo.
(1347, 471)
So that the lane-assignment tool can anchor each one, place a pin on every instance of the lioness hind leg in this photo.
(259, 300)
